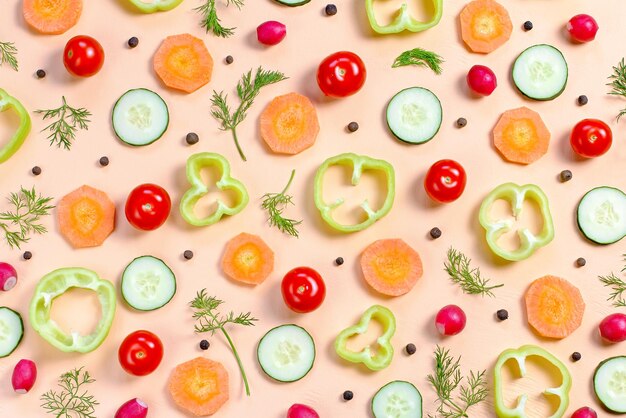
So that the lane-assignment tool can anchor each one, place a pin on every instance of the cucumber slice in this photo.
(397, 399)
(140, 117)
(540, 72)
(414, 115)
(609, 384)
(148, 283)
(11, 331)
(292, 3)
(286, 353)
(602, 215)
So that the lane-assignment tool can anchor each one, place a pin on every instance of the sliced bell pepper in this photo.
(195, 164)
(56, 283)
(516, 195)
(519, 356)
(7, 102)
(359, 164)
(155, 5)
(383, 355)
(403, 20)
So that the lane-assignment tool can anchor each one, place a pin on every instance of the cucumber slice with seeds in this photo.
(397, 399)
(609, 384)
(140, 117)
(601, 215)
(540, 72)
(148, 283)
(11, 331)
(286, 353)
(414, 115)
(292, 3)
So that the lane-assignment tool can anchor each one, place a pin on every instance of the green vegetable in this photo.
(421, 58)
(448, 378)
(195, 164)
(8, 53)
(359, 164)
(210, 320)
(275, 203)
(617, 285)
(247, 90)
(211, 23)
(382, 356)
(7, 102)
(63, 130)
(618, 84)
(403, 20)
(469, 279)
(55, 284)
(155, 5)
(519, 356)
(72, 400)
(28, 209)
(516, 195)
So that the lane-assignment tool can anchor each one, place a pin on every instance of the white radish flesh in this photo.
(24, 376)
(135, 408)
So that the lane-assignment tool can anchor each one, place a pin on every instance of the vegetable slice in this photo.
(554, 307)
(199, 386)
(397, 399)
(148, 283)
(52, 17)
(540, 72)
(86, 217)
(140, 117)
(289, 124)
(11, 330)
(601, 215)
(391, 266)
(183, 62)
(521, 136)
(414, 115)
(485, 25)
(609, 384)
(286, 353)
(248, 259)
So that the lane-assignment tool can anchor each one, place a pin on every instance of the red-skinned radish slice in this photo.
(24, 376)
(8, 277)
(298, 410)
(613, 328)
(271, 32)
(135, 408)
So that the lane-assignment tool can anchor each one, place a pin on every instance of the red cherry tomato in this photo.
(591, 138)
(83, 56)
(582, 28)
(140, 353)
(481, 80)
(148, 206)
(584, 412)
(613, 328)
(303, 289)
(450, 320)
(445, 181)
(341, 74)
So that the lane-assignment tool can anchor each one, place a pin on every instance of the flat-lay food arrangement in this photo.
(305, 209)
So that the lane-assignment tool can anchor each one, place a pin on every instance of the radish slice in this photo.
(271, 32)
(298, 410)
(24, 376)
(8, 277)
(135, 408)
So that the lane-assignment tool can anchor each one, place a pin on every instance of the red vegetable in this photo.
(591, 138)
(24, 376)
(135, 408)
(450, 320)
(445, 181)
(148, 206)
(271, 32)
(298, 410)
(584, 412)
(83, 56)
(481, 80)
(582, 28)
(140, 353)
(613, 328)
(341, 74)
(8, 277)
(303, 289)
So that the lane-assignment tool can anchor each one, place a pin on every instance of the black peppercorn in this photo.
(27, 255)
(353, 127)
(576, 356)
(582, 100)
(36, 170)
(330, 10)
(204, 345)
(229, 59)
(133, 42)
(461, 122)
(104, 161)
(188, 254)
(192, 138)
(565, 175)
(580, 262)
(435, 233)
(40, 73)
(339, 261)
(410, 349)
(348, 395)
(528, 25)
(502, 314)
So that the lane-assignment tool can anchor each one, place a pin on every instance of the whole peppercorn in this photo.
(188, 254)
(565, 175)
(36, 170)
(435, 233)
(461, 122)
(339, 261)
(104, 161)
(580, 262)
(229, 59)
(528, 25)
(330, 10)
(576, 356)
(27, 255)
(204, 345)
(502, 314)
(582, 100)
(348, 395)
(192, 138)
(40, 73)
(410, 349)
(353, 127)
(133, 42)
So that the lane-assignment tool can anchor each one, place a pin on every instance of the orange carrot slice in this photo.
(199, 386)
(521, 136)
(289, 124)
(183, 62)
(248, 259)
(86, 217)
(554, 307)
(391, 266)
(485, 25)
(52, 17)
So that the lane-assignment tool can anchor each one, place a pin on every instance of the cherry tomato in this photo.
(582, 28)
(445, 181)
(584, 412)
(83, 56)
(481, 80)
(341, 74)
(148, 206)
(591, 138)
(140, 353)
(613, 328)
(303, 289)
(450, 320)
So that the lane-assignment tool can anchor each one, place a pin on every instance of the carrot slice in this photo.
(52, 17)
(183, 62)
(391, 266)
(248, 259)
(199, 386)
(86, 217)
(521, 136)
(485, 25)
(289, 124)
(554, 307)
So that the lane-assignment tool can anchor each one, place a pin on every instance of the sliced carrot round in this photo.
(248, 259)
(391, 266)
(485, 25)
(86, 217)
(199, 386)
(183, 62)
(554, 307)
(52, 17)
(289, 124)
(521, 136)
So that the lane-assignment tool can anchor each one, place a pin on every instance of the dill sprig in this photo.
(469, 279)
(8, 54)
(23, 219)
(448, 378)
(63, 130)
(72, 400)
(247, 90)
(618, 287)
(209, 319)
(618, 84)
(211, 22)
(421, 58)
(275, 203)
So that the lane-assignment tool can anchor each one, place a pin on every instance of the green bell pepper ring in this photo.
(519, 356)
(56, 283)
(198, 189)
(359, 164)
(155, 5)
(516, 195)
(384, 352)
(7, 102)
(403, 20)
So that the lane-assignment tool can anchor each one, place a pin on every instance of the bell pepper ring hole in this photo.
(65, 309)
(369, 338)
(530, 218)
(386, 11)
(9, 123)
(207, 204)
